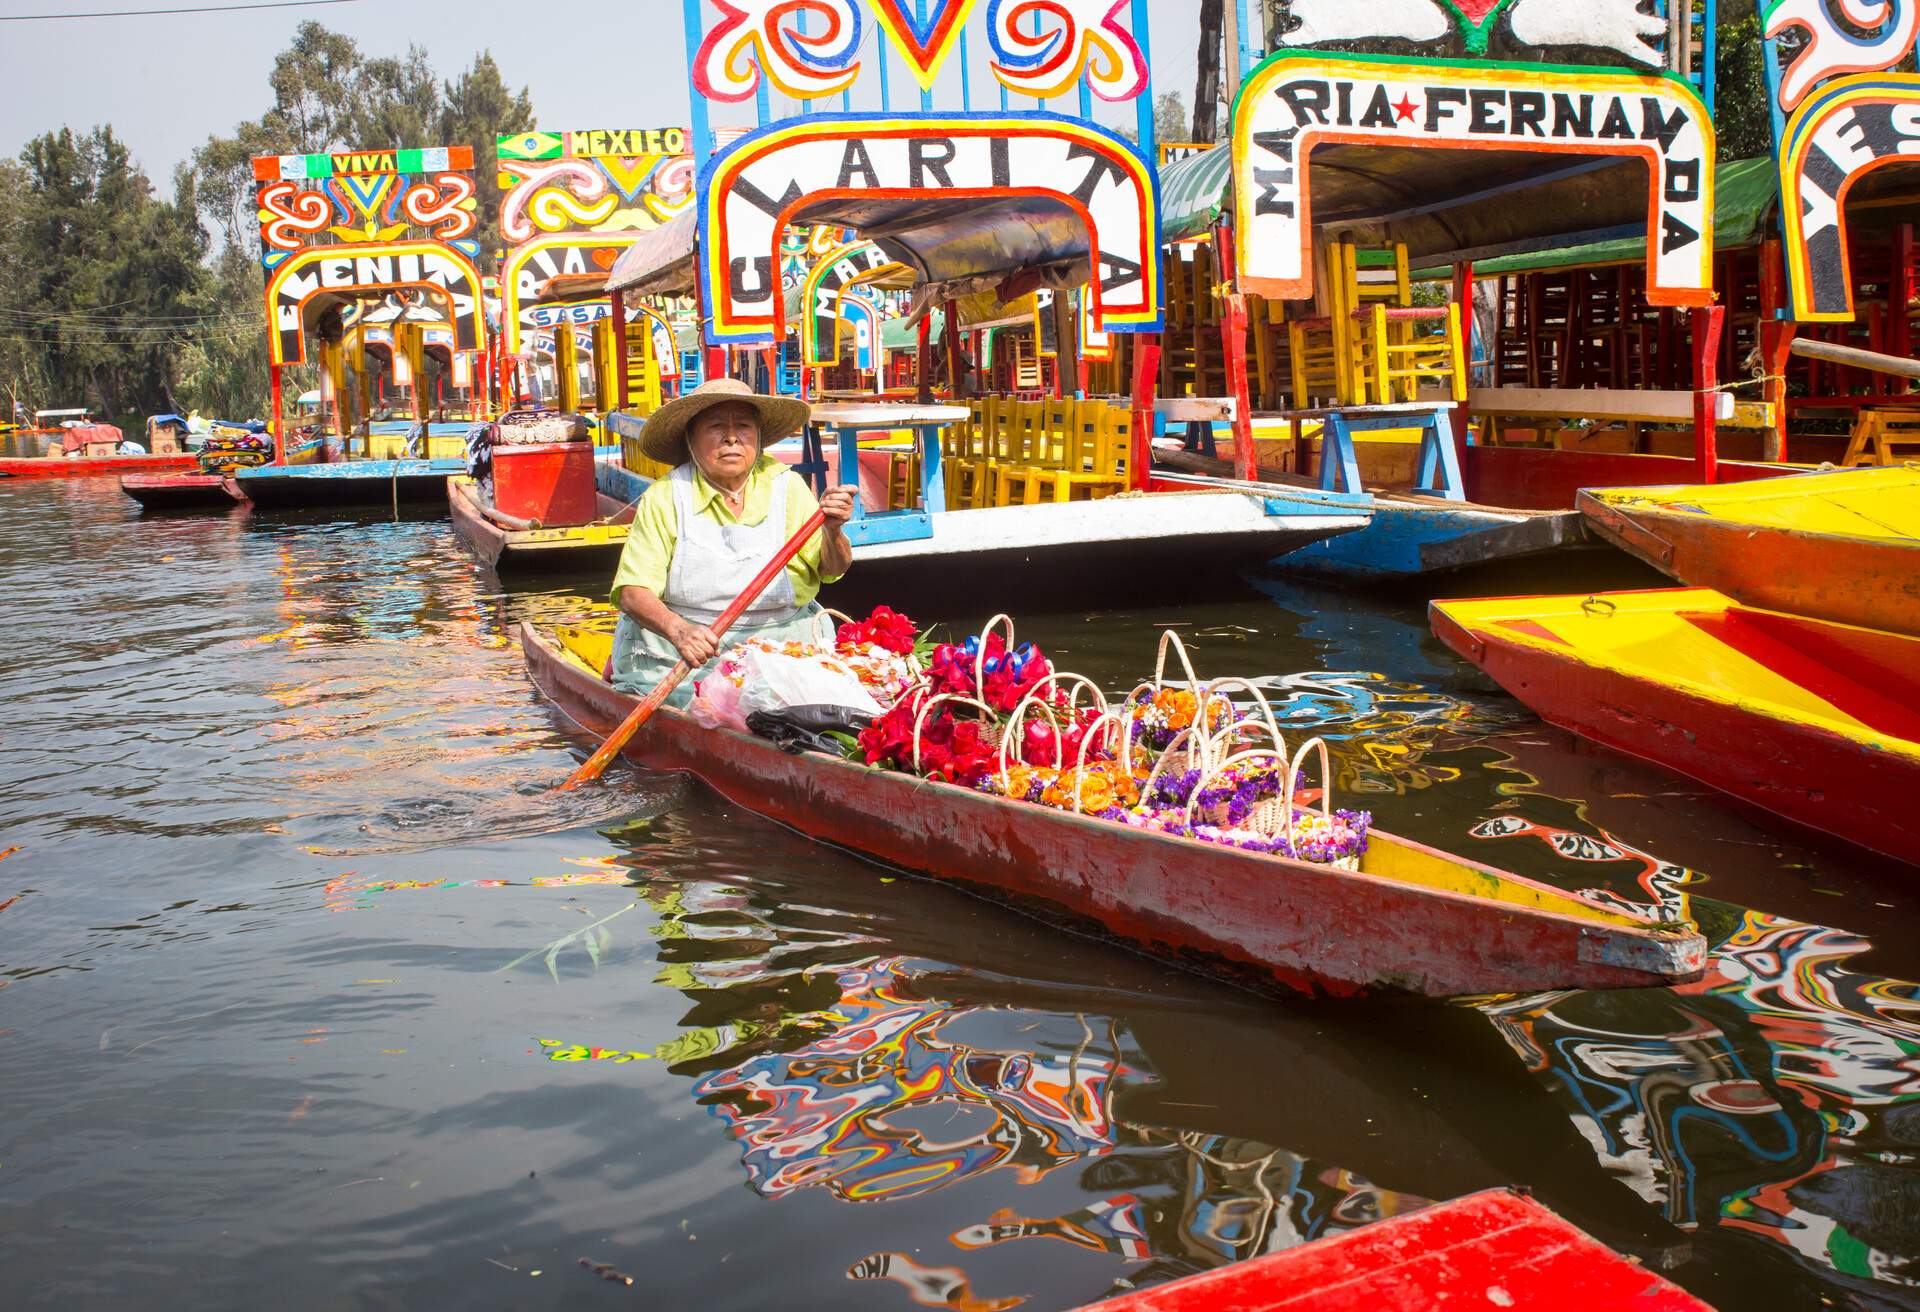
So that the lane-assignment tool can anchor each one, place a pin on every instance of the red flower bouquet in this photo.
(885, 628)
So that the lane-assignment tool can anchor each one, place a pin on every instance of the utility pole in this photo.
(1206, 90)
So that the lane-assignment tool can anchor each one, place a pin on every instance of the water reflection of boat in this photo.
(1777, 1099)
(1409, 920)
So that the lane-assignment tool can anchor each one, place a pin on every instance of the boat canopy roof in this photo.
(571, 288)
(660, 262)
(1745, 194)
(1195, 193)
(80, 413)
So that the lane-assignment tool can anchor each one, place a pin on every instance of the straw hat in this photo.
(665, 436)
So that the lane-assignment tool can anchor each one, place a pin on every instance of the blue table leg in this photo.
(1339, 464)
(933, 482)
(1439, 474)
(812, 465)
(849, 468)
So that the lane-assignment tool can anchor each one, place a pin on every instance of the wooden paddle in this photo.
(597, 763)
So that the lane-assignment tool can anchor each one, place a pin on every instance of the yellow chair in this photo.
(1047, 437)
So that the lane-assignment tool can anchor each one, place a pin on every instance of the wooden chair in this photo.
(1892, 435)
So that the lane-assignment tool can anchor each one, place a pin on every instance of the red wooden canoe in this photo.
(1808, 719)
(95, 467)
(182, 491)
(1491, 1250)
(1412, 920)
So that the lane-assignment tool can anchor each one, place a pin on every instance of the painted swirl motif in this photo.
(554, 198)
(1831, 49)
(756, 36)
(287, 214)
(443, 204)
(1042, 48)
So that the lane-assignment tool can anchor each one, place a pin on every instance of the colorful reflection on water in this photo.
(312, 984)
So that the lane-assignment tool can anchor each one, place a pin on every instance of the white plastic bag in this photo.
(775, 682)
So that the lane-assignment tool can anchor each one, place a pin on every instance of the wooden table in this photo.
(847, 420)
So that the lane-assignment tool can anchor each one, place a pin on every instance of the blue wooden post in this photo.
(1339, 465)
(812, 464)
(849, 467)
(933, 482)
(1439, 474)
(696, 104)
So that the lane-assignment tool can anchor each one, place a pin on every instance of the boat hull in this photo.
(1120, 549)
(548, 550)
(1816, 778)
(1410, 537)
(95, 467)
(369, 483)
(1273, 924)
(1491, 1249)
(182, 491)
(1873, 583)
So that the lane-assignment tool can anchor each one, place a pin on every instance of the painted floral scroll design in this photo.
(766, 36)
(1838, 37)
(385, 207)
(1043, 48)
(1618, 25)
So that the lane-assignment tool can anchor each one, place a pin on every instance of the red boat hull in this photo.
(1812, 776)
(182, 491)
(1262, 920)
(1496, 1249)
(97, 467)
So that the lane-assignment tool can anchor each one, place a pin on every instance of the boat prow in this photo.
(1841, 545)
(564, 547)
(1809, 719)
(182, 491)
(1412, 920)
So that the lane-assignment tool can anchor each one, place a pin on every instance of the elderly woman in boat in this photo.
(701, 534)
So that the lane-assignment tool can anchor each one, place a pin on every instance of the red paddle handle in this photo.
(596, 764)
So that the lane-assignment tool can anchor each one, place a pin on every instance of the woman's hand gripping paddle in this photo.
(597, 763)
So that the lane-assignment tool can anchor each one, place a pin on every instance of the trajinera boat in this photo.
(1809, 719)
(1408, 920)
(1840, 545)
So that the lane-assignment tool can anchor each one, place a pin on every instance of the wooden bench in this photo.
(1608, 407)
(1886, 432)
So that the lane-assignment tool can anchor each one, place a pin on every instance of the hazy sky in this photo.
(166, 82)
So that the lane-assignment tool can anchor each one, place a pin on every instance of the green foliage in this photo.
(1170, 121)
(104, 278)
(1740, 111)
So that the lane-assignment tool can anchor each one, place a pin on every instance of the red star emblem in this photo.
(1405, 108)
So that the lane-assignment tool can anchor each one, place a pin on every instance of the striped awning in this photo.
(1195, 193)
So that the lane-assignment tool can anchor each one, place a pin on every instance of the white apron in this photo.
(712, 565)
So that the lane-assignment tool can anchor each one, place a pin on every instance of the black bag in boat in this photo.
(800, 729)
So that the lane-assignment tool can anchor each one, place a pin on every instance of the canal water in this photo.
(312, 991)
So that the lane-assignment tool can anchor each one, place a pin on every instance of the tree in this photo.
(108, 286)
(1170, 117)
(477, 110)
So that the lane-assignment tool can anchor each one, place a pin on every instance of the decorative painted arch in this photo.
(1295, 102)
(861, 314)
(528, 265)
(770, 178)
(1851, 127)
(441, 271)
(827, 281)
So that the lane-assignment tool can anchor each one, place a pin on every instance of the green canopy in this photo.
(1194, 193)
(899, 335)
(1745, 193)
